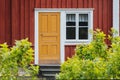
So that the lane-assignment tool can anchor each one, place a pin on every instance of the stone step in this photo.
(49, 66)
(49, 70)
(55, 70)
(48, 75)
(52, 72)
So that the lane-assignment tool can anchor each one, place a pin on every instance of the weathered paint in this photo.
(17, 17)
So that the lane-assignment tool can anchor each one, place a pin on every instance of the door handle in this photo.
(41, 34)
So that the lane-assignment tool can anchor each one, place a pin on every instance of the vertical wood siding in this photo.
(69, 51)
(7, 25)
(2, 21)
(16, 20)
(17, 17)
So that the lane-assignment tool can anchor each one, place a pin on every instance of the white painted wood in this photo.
(62, 37)
(36, 38)
(77, 24)
(63, 9)
(90, 27)
(116, 16)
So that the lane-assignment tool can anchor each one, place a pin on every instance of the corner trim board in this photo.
(116, 16)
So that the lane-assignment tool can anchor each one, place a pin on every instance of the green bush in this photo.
(97, 48)
(113, 69)
(94, 60)
(16, 59)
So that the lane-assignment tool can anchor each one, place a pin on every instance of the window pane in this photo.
(70, 33)
(83, 19)
(83, 33)
(70, 23)
(70, 20)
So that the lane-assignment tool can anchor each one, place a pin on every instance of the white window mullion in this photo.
(77, 26)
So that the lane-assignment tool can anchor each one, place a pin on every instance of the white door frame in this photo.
(37, 37)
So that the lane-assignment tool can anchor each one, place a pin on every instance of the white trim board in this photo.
(116, 16)
(63, 12)
(63, 9)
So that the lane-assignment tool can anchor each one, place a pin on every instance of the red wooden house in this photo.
(55, 27)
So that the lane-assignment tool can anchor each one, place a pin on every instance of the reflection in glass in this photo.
(83, 33)
(70, 33)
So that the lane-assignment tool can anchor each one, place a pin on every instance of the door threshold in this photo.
(49, 64)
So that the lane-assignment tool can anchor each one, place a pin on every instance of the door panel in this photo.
(49, 38)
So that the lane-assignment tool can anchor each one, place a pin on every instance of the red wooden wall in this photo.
(17, 17)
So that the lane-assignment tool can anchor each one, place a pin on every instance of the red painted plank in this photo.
(67, 52)
(63, 3)
(27, 18)
(72, 51)
(49, 3)
(8, 22)
(37, 3)
(54, 4)
(100, 13)
(80, 3)
(95, 14)
(90, 3)
(105, 14)
(32, 21)
(43, 3)
(15, 21)
(69, 3)
(109, 18)
(85, 3)
(2, 21)
(59, 3)
(22, 19)
(74, 3)
(70, 48)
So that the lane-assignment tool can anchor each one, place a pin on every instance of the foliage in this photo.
(114, 59)
(97, 48)
(16, 59)
(76, 68)
(94, 60)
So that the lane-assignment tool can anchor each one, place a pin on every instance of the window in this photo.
(77, 27)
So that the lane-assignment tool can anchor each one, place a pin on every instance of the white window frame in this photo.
(63, 12)
(90, 27)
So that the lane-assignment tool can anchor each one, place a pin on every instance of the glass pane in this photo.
(83, 19)
(70, 33)
(83, 33)
(70, 20)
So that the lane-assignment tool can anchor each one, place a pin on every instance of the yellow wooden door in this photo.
(49, 38)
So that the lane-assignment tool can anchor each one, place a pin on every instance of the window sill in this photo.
(73, 42)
